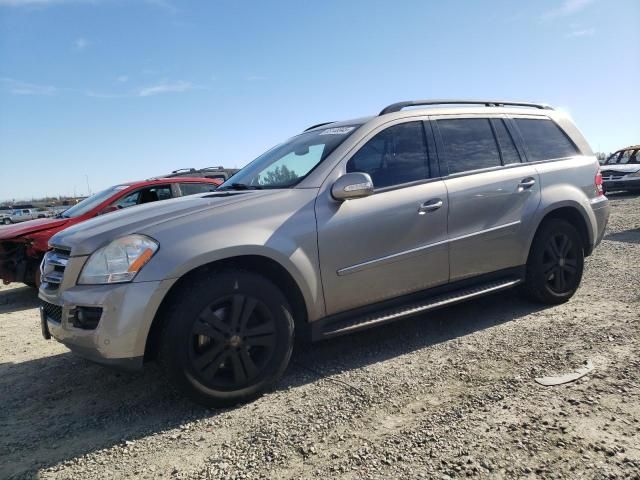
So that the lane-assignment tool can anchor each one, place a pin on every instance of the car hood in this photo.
(626, 168)
(31, 226)
(86, 237)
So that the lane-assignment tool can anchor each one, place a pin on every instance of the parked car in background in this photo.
(21, 215)
(216, 173)
(22, 246)
(343, 227)
(621, 171)
(5, 217)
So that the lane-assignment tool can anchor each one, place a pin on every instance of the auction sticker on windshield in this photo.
(336, 131)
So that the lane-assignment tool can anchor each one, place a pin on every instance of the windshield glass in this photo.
(285, 165)
(91, 202)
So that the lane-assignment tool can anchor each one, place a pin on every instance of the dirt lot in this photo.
(446, 395)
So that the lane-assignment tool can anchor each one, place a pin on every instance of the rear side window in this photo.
(394, 156)
(193, 188)
(507, 147)
(544, 139)
(469, 144)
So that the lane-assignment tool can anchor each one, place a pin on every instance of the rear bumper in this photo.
(601, 210)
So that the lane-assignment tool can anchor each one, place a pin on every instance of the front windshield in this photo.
(624, 157)
(91, 202)
(285, 165)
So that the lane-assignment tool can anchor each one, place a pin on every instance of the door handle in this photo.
(526, 183)
(430, 206)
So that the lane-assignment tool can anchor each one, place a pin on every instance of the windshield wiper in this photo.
(241, 186)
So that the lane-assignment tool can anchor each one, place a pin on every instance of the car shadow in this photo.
(631, 235)
(60, 407)
(18, 299)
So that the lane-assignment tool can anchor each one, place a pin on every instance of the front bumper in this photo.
(622, 183)
(119, 340)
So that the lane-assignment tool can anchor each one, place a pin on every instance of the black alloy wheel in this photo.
(555, 263)
(231, 342)
(560, 262)
(227, 337)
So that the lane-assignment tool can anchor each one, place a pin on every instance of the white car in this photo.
(21, 215)
(621, 171)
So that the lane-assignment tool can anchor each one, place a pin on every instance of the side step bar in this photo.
(336, 326)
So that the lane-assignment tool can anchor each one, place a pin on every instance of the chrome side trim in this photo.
(413, 251)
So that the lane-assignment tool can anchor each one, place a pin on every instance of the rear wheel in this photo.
(227, 339)
(6, 221)
(555, 264)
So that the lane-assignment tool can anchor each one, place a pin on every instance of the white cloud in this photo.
(17, 87)
(161, 88)
(586, 32)
(567, 8)
(80, 43)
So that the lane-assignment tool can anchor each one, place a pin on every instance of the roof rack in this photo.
(396, 107)
(317, 125)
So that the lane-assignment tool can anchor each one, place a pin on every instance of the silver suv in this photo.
(343, 227)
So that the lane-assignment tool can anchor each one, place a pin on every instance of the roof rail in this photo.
(317, 125)
(396, 107)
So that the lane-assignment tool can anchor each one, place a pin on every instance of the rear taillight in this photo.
(598, 183)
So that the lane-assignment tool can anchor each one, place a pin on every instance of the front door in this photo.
(390, 243)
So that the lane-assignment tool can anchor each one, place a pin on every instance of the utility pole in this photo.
(88, 189)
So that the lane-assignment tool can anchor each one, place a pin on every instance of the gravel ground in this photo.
(447, 395)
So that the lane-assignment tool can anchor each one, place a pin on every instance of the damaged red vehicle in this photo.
(23, 245)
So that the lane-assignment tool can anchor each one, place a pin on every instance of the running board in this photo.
(333, 327)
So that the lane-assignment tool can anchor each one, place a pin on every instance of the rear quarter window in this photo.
(544, 139)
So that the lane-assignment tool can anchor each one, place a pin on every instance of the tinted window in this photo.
(469, 144)
(507, 147)
(544, 139)
(394, 156)
(146, 195)
(193, 188)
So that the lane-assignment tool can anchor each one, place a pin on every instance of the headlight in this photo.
(119, 261)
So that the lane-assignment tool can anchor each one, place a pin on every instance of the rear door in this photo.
(492, 193)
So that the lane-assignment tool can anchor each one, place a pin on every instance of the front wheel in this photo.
(227, 339)
(555, 264)
(6, 221)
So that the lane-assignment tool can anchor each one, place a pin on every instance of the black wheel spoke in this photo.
(249, 366)
(210, 357)
(237, 303)
(208, 330)
(239, 374)
(260, 330)
(214, 321)
(261, 340)
(247, 311)
(548, 268)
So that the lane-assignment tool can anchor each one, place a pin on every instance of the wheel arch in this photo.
(574, 214)
(260, 264)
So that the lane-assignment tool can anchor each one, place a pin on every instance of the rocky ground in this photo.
(447, 395)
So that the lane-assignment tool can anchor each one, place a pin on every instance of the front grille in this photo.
(52, 268)
(606, 174)
(53, 312)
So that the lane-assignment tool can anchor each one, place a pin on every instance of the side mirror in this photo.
(352, 185)
(109, 209)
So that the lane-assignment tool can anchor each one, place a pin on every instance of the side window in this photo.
(469, 144)
(544, 139)
(394, 156)
(507, 147)
(25, 212)
(193, 188)
(145, 195)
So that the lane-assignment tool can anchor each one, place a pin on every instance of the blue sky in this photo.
(123, 90)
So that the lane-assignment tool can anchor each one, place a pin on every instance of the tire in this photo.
(227, 338)
(7, 221)
(555, 263)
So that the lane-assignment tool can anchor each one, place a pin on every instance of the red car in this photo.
(23, 245)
